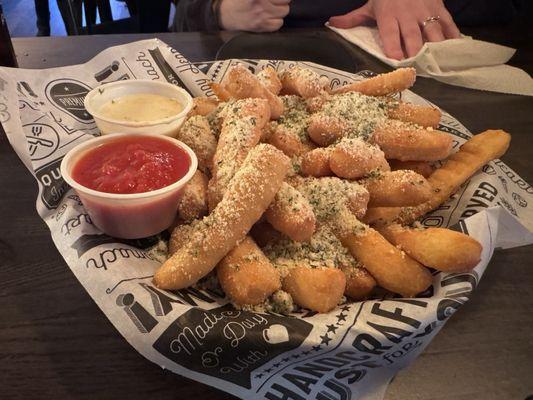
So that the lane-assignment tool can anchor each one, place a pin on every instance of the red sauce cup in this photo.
(134, 215)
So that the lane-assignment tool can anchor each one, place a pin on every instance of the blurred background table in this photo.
(56, 343)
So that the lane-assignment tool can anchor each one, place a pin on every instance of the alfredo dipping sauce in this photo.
(141, 107)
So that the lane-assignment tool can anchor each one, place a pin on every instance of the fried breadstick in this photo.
(303, 82)
(241, 131)
(249, 194)
(425, 116)
(318, 289)
(423, 168)
(459, 167)
(325, 130)
(408, 143)
(391, 268)
(354, 158)
(445, 181)
(203, 105)
(359, 283)
(291, 214)
(240, 83)
(439, 248)
(383, 84)
(288, 141)
(196, 133)
(316, 162)
(246, 275)
(269, 78)
(397, 188)
(180, 235)
(193, 203)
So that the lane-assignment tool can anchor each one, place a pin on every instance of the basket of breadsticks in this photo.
(333, 225)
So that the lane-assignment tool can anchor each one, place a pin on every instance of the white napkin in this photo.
(462, 62)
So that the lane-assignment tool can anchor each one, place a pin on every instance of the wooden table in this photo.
(56, 343)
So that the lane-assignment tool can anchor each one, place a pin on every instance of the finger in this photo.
(278, 11)
(411, 34)
(389, 33)
(272, 25)
(449, 29)
(280, 2)
(356, 17)
(433, 32)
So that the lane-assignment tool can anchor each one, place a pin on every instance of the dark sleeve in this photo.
(484, 12)
(195, 15)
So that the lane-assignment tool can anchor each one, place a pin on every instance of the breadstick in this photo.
(351, 115)
(246, 275)
(291, 214)
(425, 116)
(249, 194)
(241, 131)
(391, 268)
(196, 133)
(408, 143)
(354, 158)
(325, 130)
(457, 169)
(219, 91)
(359, 283)
(316, 162)
(269, 78)
(193, 203)
(318, 289)
(303, 82)
(289, 142)
(380, 215)
(397, 188)
(240, 83)
(383, 84)
(180, 236)
(423, 168)
(445, 181)
(203, 105)
(358, 198)
(315, 104)
(439, 248)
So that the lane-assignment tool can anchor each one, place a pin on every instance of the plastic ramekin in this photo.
(103, 94)
(128, 216)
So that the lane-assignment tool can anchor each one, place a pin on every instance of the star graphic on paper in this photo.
(276, 365)
(286, 359)
(341, 317)
(345, 308)
(317, 348)
(268, 370)
(295, 356)
(259, 376)
(325, 339)
(306, 352)
(332, 328)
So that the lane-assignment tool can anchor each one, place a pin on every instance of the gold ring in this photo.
(429, 20)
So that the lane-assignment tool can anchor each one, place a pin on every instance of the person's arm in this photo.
(404, 25)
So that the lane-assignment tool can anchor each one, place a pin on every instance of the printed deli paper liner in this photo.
(351, 352)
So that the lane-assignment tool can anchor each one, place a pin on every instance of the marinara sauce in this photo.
(133, 164)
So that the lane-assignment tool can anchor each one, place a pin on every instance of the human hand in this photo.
(402, 22)
(253, 15)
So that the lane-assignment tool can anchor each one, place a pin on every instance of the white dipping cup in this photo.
(134, 215)
(103, 94)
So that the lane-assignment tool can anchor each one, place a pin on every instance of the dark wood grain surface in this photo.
(56, 343)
